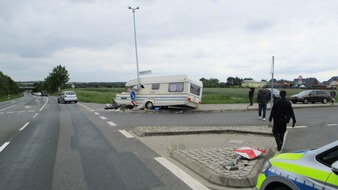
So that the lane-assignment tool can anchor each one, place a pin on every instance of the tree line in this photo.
(59, 76)
(7, 85)
(215, 83)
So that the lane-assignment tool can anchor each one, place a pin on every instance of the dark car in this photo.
(312, 96)
(44, 93)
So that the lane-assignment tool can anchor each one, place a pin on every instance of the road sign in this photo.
(132, 95)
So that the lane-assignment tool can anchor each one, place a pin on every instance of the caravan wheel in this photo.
(149, 105)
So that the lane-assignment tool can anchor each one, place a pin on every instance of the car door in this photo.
(332, 182)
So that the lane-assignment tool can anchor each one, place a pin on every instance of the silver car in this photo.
(67, 97)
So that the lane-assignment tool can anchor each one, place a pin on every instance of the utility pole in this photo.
(137, 68)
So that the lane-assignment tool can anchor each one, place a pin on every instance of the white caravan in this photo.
(178, 90)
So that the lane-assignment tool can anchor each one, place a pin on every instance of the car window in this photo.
(70, 93)
(328, 157)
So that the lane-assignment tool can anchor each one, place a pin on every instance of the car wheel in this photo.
(58, 101)
(324, 101)
(305, 101)
(149, 105)
(282, 188)
(75, 102)
(295, 102)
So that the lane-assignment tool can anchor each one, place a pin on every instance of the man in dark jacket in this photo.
(281, 113)
(263, 97)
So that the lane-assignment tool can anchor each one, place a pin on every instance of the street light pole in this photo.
(137, 68)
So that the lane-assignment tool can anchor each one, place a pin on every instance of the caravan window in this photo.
(155, 86)
(176, 87)
(194, 89)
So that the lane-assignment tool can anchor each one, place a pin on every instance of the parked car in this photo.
(312, 96)
(307, 169)
(275, 94)
(67, 97)
(44, 93)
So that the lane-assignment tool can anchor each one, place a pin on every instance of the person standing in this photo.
(281, 113)
(263, 97)
(251, 95)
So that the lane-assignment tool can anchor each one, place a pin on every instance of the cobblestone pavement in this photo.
(209, 151)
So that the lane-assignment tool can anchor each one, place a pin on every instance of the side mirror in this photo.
(334, 167)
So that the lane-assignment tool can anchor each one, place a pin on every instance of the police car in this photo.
(307, 169)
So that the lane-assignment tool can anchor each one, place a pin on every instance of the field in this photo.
(210, 95)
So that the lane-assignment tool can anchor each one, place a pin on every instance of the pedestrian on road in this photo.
(281, 113)
(251, 95)
(263, 97)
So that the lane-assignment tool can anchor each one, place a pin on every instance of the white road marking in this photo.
(96, 113)
(44, 105)
(102, 117)
(331, 125)
(111, 123)
(182, 175)
(31, 111)
(11, 112)
(126, 134)
(7, 108)
(296, 127)
(21, 111)
(23, 127)
(4, 146)
(35, 115)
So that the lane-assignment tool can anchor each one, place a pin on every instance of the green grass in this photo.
(12, 96)
(210, 95)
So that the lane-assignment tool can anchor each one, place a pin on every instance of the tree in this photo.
(234, 81)
(57, 78)
(7, 85)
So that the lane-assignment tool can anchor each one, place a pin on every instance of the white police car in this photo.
(308, 169)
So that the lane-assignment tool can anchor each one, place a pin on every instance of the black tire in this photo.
(305, 101)
(75, 102)
(149, 105)
(295, 102)
(282, 188)
(324, 101)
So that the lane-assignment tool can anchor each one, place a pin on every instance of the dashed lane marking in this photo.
(126, 134)
(24, 126)
(182, 175)
(35, 115)
(96, 113)
(332, 125)
(111, 123)
(4, 146)
(102, 117)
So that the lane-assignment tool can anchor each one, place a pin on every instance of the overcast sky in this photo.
(94, 39)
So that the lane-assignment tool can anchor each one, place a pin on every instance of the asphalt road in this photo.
(45, 145)
(53, 146)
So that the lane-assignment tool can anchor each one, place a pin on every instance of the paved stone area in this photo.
(208, 150)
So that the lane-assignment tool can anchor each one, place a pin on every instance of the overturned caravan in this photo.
(164, 91)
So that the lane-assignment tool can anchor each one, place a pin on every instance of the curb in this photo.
(210, 163)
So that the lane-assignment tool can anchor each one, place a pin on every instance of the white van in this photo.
(178, 90)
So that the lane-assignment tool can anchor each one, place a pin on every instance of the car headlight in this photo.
(266, 166)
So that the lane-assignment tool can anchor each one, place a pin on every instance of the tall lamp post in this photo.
(138, 73)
